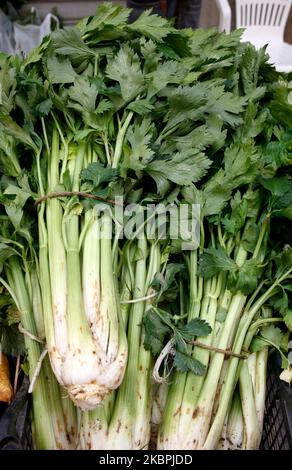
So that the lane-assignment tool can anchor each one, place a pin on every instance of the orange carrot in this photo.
(6, 390)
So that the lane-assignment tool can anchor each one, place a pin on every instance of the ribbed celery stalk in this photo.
(66, 424)
(142, 429)
(159, 397)
(205, 403)
(93, 427)
(252, 435)
(251, 364)
(48, 421)
(219, 387)
(53, 276)
(129, 426)
(234, 431)
(168, 435)
(261, 372)
(194, 383)
(242, 340)
(86, 340)
(261, 384)
(127, 280)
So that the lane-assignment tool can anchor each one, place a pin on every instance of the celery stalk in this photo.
(49, 427)
(260, 385)
(234, 433)
(86, 339)
(252, 435)
(241, 340)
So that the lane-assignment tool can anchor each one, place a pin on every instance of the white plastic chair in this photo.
(264, 22)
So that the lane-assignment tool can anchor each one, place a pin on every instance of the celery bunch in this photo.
(109, 114)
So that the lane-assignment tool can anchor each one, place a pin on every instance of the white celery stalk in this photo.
(242, 339)
(194, 383)
(93, 427)
(169, 428)
(129, 427)
(251, 364)
(48, 424)
(251, 426)
(124, 414)
(64, 413)
(260, 385)
(261, 376)
(219, 387)
(142, 428)
(197, 415)
(234, 432)
(85, 333)
(159, 397)
(203, 412)
(205, 403)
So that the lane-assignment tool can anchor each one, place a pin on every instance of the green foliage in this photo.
(182, 168)
(159, 327)
(125, 69)
(195, 327)
(185, 363)
(155, 332)
(60, 71)
(11, 340)
(152, 26)
(215, 260)
(97, 174)
(245, 279)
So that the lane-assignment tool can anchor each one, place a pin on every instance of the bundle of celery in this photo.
(236, 277)
(109, 114)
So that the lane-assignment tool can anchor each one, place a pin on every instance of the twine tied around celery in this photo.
(41, 358)
(58, 194)
(169, 350)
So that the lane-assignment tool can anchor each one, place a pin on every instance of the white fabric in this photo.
(6, 34)
(19, 39)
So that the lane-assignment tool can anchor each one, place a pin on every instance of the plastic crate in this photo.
(277, 430)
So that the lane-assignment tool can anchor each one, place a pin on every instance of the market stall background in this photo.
(73, 10)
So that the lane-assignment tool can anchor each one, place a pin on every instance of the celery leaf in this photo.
(186, 363)
(214, 260)
(195, 327)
